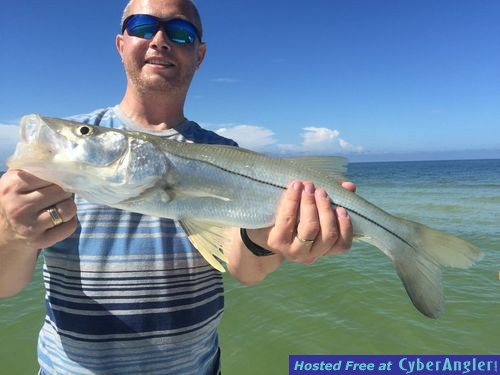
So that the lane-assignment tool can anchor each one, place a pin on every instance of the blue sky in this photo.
(370, 79)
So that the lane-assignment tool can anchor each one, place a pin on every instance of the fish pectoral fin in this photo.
(202, 194)
(209, 239)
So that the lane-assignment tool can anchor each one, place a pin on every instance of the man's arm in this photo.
(304, 213)
(26, 226)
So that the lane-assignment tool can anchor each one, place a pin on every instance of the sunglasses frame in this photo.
(159, 23)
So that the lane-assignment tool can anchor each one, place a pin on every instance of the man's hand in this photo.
(26, 225)
(24, 217)
(307, 227)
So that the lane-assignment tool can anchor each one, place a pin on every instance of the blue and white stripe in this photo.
(127, 293)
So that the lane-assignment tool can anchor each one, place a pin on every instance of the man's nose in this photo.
(160, 40)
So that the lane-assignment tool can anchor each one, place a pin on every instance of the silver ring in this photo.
(54, 216)
(304, 242)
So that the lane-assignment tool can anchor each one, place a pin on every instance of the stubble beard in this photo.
(147, 84)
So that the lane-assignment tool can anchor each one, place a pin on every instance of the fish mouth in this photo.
(35, 131)
(37, 141)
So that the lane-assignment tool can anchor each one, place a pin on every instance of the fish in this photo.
(210, 188)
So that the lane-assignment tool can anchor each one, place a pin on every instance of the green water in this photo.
(349, 304)
(21, 318)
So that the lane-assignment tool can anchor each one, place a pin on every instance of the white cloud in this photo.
(249, 136)
(343, 144)
(346, 146)
(318, 140)
(224, 80)
(319, 136)
(315, 140)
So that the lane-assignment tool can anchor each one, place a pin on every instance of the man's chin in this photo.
(157, 85)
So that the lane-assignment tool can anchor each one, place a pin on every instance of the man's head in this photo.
(156, 64)
(195, 15)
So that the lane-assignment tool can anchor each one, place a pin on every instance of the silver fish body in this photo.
(210, 187)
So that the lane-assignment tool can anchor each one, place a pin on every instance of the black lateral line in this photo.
(284, 188)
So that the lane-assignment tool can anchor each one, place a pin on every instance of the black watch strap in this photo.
(252, 246)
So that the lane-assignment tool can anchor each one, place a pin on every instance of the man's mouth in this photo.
(160, 63)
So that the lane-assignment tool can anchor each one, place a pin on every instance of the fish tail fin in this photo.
(418, 253)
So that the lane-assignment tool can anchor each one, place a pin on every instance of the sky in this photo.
(368, 79)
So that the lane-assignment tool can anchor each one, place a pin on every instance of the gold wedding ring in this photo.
(304, 242)
(54, 216)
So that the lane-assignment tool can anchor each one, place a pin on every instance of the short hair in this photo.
(194, 9)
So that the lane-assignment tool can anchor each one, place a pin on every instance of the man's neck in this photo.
(157, 112)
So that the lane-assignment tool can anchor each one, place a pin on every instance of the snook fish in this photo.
(209, 188)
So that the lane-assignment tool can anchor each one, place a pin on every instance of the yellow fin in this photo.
(209, 239)
(333, 166)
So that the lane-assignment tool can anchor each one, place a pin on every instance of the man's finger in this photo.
(344, 241)
(329, 232)
(349, 186)
(26, 182)
(287, 213)
(309, 225)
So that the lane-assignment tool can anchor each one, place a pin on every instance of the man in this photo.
(127, 293)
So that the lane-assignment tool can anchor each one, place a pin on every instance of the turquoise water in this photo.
(353, 303)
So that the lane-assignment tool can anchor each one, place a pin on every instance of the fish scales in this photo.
(209, 188)
(274, 177)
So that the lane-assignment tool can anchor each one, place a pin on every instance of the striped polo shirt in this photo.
(127, 293)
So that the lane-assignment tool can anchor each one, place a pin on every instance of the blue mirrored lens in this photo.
(141, 26)
(146, 26)
(180, 31)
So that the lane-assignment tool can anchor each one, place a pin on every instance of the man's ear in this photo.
(202, 50)
(119, 45)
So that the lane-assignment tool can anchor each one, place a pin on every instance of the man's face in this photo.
(158, 64)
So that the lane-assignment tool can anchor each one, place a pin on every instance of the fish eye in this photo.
(85, 130)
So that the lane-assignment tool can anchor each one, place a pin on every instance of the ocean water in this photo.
(349, 304)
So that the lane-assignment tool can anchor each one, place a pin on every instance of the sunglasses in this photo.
(146, 26)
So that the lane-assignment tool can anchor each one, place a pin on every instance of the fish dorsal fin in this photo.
(209, 239)
(334, 166)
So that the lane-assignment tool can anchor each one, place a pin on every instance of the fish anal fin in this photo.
(209, 239)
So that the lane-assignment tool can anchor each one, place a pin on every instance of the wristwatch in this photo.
(252, 246)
